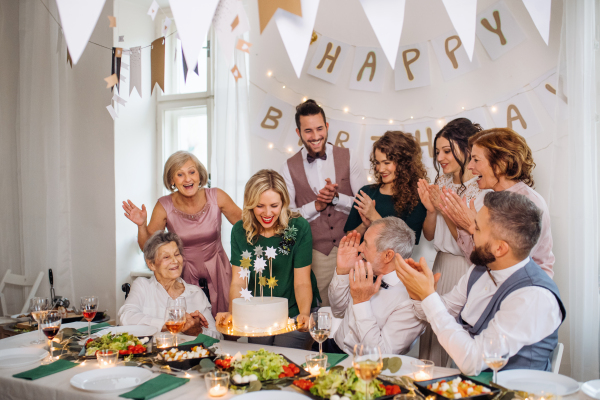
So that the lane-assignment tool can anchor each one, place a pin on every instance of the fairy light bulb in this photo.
(363, 117)
(494, 109)
(304, 99)
(345, 109)
(411, 117)
(370, 178)
(270, 145)
(283, 86)
(269, 73)
(463, 108)
(290, 150)
(391, 121)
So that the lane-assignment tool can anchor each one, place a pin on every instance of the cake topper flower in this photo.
(246, 294)
(258, 251)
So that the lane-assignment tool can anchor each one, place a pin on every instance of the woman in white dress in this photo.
(452, 155)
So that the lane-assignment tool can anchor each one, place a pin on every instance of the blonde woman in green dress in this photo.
(271, 231)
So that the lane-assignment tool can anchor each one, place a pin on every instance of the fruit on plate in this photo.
(457, 388)
(173, 354)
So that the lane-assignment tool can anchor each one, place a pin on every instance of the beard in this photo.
(309, 148)
(482, 255)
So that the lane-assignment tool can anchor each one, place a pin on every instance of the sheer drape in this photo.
(230, 161)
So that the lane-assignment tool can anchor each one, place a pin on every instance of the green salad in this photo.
(345, 383)
(120, 342)
(262, 363)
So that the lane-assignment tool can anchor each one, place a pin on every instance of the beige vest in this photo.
(328, 228)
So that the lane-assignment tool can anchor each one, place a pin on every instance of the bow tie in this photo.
(311, 159)
(383, 284)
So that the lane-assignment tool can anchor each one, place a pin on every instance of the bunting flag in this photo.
(157, 59)
(540, 10)
(517, 114)
(78, 19)
(268, 8)
(193, 18)
(328, 59)
(273, 118)
(368, 69)
(229, 22)
(165, 26)
(412, 67)
(462, 14)
(386, 18)
(135, 72)
(116, 63)
(549, 89)
(498, 31)
(452, 56)
(296, 32)
(185, 67)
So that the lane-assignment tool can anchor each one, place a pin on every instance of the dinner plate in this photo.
(592, 388)
(135, 330)
(110, 380)
(537, 381)
(21, 357)
(406, 368)
(271, 395)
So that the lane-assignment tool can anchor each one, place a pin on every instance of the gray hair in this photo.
(157, 240)
(394, 235)
(175, 162)
(515, 219)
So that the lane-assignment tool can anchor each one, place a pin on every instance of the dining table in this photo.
(57, 386)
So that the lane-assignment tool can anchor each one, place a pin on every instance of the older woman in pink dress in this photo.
(194, 214)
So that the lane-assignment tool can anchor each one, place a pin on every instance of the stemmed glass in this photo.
(495, 352)
(175, 321)
(38, 306)
(178, 302)
(367, 363)
(319, 326)
(89, 307)
(50, 322)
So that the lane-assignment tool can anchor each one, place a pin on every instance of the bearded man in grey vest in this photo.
(505, 293)
(322, 180)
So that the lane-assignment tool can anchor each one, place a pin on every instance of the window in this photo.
(184, 110)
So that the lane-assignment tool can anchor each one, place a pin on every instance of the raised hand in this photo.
(347, 255)
(302, 321)
(134, 214)
(362, 287)
(224, 318)
(435, 194)
(423, 189)
(326, 195)
(364, 219)
(366, 206)
(417, 278)
(458, 211)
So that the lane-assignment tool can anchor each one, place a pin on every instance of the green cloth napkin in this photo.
(155, 387)
(207, 341)
(95, 327)
(334, 359)
(484, 377)
(45, 370)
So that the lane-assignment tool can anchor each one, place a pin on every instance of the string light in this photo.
(463, 108)
(304, 99)
(440, 121)
(363, 117)
(411, 117)
(494, 109)
(269, 73)
(270, 145)
(391, 121)
(290, 149)
(369, 178)
(346, 109)
(284, 86)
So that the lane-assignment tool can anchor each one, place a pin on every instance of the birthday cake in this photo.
(260, 314)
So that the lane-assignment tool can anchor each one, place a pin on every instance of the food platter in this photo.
(124, 342)
(422, 385)
(187, 363)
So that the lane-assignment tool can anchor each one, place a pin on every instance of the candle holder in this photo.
(315, 363)
(422, 370)
(107, 358)
(164, 340)
(217, 383)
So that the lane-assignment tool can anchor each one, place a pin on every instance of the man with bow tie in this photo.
(322, 180)
(374, 310)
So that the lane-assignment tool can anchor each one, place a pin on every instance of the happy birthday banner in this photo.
(275, 120)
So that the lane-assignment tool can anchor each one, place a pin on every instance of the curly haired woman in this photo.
(396, 160)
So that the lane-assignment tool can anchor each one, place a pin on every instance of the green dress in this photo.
(384, 204)
(299, 255)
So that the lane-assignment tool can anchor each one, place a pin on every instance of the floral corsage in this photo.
(288, 240)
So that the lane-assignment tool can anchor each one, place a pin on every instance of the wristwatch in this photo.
(335, 200)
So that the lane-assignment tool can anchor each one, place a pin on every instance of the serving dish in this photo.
(422, 385)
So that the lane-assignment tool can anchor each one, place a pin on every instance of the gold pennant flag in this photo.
(267, 8)
(113, 21)
(157, 58)
(235, 22)
(118, 52)
(111, 81)
(236, 73)
(243, 46)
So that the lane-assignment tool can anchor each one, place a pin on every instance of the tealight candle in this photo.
(107, 358)
(217, 383)
(422, 370)
(316, 362)
(164, 340)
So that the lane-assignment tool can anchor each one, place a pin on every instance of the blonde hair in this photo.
(263, 180)
(175, 162)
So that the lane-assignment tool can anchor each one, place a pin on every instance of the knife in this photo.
(51, 278)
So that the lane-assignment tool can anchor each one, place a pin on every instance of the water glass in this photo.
(495, 352)
(37, 307)
(319, 326)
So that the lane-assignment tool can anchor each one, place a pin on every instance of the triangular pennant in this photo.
(267, 8)
(153, 10)
(185, 67)
(157, 59)
(463, 15)
(236, 73)
(539, 10)
(386, 18)
(243, 46)
(193, 19)
(296, 32)
(78, 19)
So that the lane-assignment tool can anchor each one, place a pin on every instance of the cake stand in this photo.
(230, 330)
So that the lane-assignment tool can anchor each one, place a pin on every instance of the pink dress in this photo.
(204, 256)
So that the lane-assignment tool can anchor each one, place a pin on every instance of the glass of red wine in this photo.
(89, 307)
(50, 323)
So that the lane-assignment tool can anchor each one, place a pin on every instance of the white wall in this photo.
(134, 143)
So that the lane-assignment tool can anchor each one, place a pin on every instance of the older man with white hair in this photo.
(374, 304)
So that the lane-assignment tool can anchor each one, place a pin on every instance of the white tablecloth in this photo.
(57, 386)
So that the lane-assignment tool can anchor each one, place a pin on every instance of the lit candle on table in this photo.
(217, 391)
(422, 376)
(422, 370)
(314, 370)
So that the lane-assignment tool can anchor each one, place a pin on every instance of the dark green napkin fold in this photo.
(155, 387)
(205, 340)
(484, 377)
(95, 327)
(45, 370)
(334, 359)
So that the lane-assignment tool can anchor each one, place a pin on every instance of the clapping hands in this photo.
(418, 279)
(348, 255)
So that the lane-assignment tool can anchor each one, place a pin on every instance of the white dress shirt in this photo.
(525, 317)
(387, 319)
(316, 173)
(147, 304)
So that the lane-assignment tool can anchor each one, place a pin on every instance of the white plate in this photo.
(271, 395)
(537, 381)
(592, 388)
(135, 330)
(110, 379)
(21, 357)
(406, 368)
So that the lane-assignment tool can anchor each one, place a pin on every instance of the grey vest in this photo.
(534, 356)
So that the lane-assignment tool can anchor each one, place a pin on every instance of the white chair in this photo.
(335, 323)
(20, 280)
(557, 357)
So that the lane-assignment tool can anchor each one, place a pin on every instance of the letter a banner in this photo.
(273, 119)
(517, 114)
(368, 70)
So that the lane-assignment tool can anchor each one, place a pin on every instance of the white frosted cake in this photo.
(260, 314)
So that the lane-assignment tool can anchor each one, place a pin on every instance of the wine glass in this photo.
(38, 306)
(89, 307)
(50, 322)
(367, 363)
(178, 302)
(175, 321)
(319, 326)
(495, 352)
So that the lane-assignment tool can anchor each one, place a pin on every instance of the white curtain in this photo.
(574, 196)
(230, 155)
